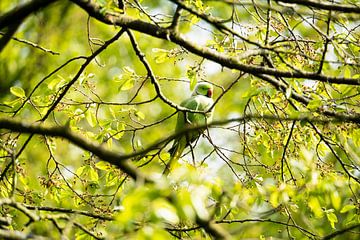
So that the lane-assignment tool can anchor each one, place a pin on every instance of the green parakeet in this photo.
(200, 100)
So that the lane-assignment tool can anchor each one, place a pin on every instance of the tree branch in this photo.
(64, 132)
(152, 77)
(19, 13)
(6, 37)
(121, 160)
(69, 210)
(94, 10)
(34, 45)
(69, 85)
(17, 235)
(341, 231)
(324, 5)
(214, 229)
(305, 100)
(7, 201)
(265, 220)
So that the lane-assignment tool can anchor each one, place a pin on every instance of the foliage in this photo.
(88, 100)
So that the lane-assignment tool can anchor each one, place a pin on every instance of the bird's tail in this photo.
(175, 153)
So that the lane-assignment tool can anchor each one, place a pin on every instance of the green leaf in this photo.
(192, 75)
(14, 103)
(288, 92)
(165, 211)
(194, 19)
(315, 207)
(275, 100)
(112, 112)
(332, 219)
(119, 130)
(314, 104)
(335, 199)
(139, 115)
(161, 55)
(356, 137)
(81, 170)
(127, 79)
(198, 200)
(111, 179)
(90, 118)
(164, 156)
(274, 199)
(347, 71)
(88, 172)
(102, 165)
(128, 70)
(347, 208)
(18, 92)
(93, 175)
(127, 85)
(109, 143)
(56, 83)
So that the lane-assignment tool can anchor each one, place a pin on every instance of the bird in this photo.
(200, 100)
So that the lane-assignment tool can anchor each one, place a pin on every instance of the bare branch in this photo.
(34, 45)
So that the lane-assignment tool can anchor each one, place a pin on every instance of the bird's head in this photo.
(203, 88)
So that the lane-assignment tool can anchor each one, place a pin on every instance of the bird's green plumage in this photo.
(201, 100)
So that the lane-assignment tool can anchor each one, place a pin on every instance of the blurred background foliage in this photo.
(255, 179)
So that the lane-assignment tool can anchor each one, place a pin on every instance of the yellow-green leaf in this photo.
(127, 85)
(93, 175)
(81, 170)
(315, 207)
(274, 199)
(17, 91)
(275, 100)
(90, 118)
(347, 208)
(166, 211)
(111, 179)
(194, 19)
(356, 137)
(336, 200)
(140, 115)
(128, 70)
(288, 92)
(347, 72)
(119, 131)
(191, 74)
(314, 104)
(160, 55)
(102, 165)
(109, 143)
(332, 219)
(164, 156)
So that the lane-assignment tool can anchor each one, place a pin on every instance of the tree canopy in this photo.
(89, 95)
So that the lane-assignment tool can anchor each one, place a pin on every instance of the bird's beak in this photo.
(209, 93)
